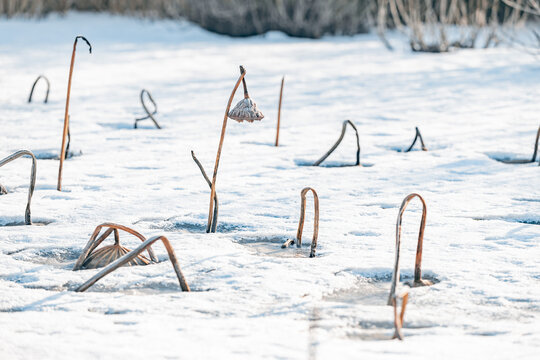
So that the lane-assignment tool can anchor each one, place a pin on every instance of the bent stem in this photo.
(302, 219)
(148, 113)
(34, 85)
(418, 262)
(216, 206)
(93, 243)
(536, 147)
(132, 255)
(223, 128)
(416, 137)
(66, 115)
(343, 129)
(16, 155)
(279, 110)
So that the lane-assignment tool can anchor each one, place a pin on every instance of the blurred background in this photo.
(433, 26)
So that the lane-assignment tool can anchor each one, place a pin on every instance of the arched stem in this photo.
(216, 165)
(418, 262)
(216, 204)
(66, 115)
(16, 155)
(418, 136)
(34, 85)
(302, 219)
(279, 110)
(343, 129)
(148, 113)
(93, 243)
(133, 254)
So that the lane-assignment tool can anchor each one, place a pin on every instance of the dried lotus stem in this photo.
(66, 115)
(279, 110)
(398, 317)
(216, 204)
(536, 147)
(526, 161)
(418, 281)
(34, 85)
(3, 190)
(90, 259)
(418, 136)
(18, 154)
(132, 255)
(149, 115)
(344, 128)
(301, 222)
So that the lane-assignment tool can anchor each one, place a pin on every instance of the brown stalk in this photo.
(94, 242)
(34, 85)
(66, 115)
(279, 110)
(418, 281)
(418, 136)
(16, 155)
(301, 222)
(216, 209)
(132, 255)
(343, 129)
(398, 317)
(149, 115)
(223, 128)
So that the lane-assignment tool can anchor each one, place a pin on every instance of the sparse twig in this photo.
(132, 255)
(34, 85)
(18, 154)
(418, 136)
(343, 129)
(90, 259)
(63, 155)
(149, 115)
(301, 222)
(216, 204)
(279, 110)
(418, 281)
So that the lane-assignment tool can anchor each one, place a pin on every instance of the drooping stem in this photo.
(416, 137)
(148, 113)
(418, 281)
(343, 129)
(34, 85)
(66, 114)
(132, 255)
(216, 204)
(18, 154)
(216, 165)
(279, 110)
(302, 219)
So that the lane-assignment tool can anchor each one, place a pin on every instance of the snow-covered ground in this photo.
(252, 299)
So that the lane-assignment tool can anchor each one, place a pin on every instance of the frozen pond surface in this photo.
(252, 299)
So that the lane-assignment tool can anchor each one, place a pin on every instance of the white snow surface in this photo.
(252, 299)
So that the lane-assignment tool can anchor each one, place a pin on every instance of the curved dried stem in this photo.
(398, 316)
(279, 110)
(343, 129)
(418, 136)
(302, 219)
(418, 281)
(216, 204)
(16, 155)
(34, 85)
(94, 242)
(526, 161)
(220, 146)
(66, 115)
(149, 115)
(132, 255)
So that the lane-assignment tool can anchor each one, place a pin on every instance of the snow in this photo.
(251, 298)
